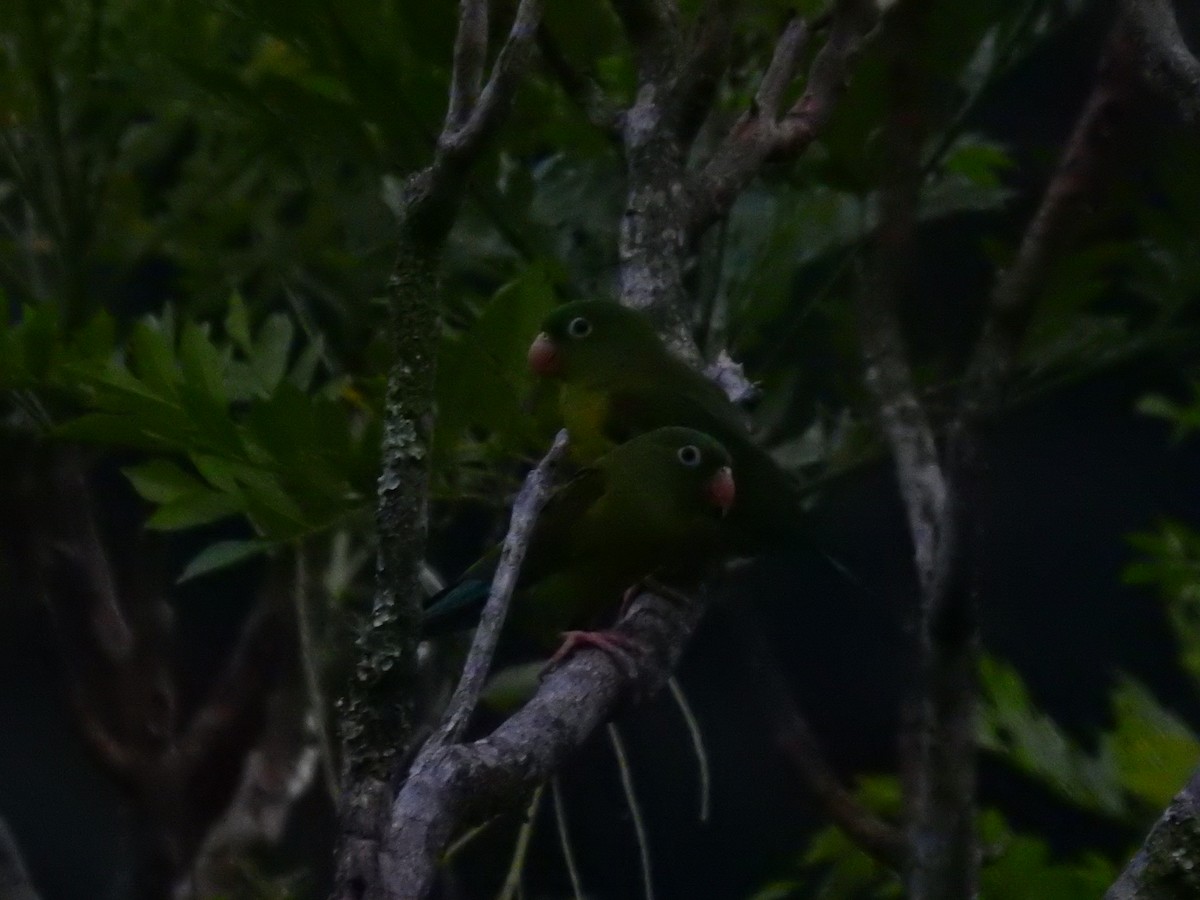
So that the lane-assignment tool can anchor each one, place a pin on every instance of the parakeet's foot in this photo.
(619, 647)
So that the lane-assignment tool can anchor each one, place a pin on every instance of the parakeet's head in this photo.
(683, 469)
(593, 342)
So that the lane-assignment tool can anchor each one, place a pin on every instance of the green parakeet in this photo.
(648, 506)
(617, 379)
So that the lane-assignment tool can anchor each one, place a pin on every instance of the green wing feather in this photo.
(457, 606)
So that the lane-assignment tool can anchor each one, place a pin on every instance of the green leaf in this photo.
(203, 367)
(115, 430)
(237, 323)
(222, 555)
(1154, 749)
(1013, 727)
(161, 481)
(270, 356)
(153, 359)
(197, 508)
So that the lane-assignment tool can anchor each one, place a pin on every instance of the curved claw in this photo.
(620, 648)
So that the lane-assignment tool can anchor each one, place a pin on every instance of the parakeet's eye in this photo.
(579, 327)
(689, 455)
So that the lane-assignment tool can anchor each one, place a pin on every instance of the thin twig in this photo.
(310, 665)
(785, 61)
(532, 497)
(516, 868)
(635, 809)
(1078, 174)
(697, 738)
(795, 738)
(470, 57)
(15, 883)
(564, 839)
(501, 84)
(583, 90)
(759, 135)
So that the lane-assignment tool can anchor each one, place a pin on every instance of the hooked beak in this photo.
(721, 490)
(543, 356)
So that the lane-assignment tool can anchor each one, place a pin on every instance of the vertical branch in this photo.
(938, 727)
(376, 708)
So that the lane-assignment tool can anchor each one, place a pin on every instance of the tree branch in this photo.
(375, 711)
(532, 497)
(1166, 63)
(1079, 173)
(794, 736)
(785, 62)
(459, 785)
(938, 716)
(15, 883)
(759, 135)
(1164, 868)
(581, 89)
(463, 142)
(470, 58)
(652, 29)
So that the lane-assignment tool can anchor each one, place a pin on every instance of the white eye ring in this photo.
(579, 327)
(689, 455)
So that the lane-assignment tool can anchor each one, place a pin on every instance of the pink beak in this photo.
(543, 356)
(721, 490)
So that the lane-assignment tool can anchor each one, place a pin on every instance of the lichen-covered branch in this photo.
(1164, 60)
(376, 707)
(1166, 866)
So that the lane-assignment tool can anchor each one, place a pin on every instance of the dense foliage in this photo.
(197, 217)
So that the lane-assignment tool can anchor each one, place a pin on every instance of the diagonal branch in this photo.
(15, 883)
(704, 62)
(210, 754)
(470, 58)
(759, 135)
(785, 62)
(1165, 61)
(532, 497)
(583, 90)
(464, 141)
(459, 785)
(1080, 172)
(795, 738)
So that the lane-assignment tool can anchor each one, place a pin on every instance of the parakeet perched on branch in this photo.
(617, 380)
(651, 505)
